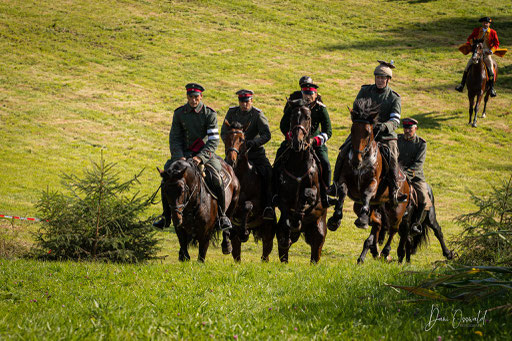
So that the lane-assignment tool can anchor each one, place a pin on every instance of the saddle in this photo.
(210, 173)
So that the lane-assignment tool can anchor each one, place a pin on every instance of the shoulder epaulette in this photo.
(422, 139)
(366, 85)
(258, 110)
(210, 109)
(321, 104)
(179, 108)
(233, 107)
(396, 93)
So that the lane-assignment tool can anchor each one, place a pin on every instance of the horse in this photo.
(299, 189)
(409, 243)
(363, 179)
(194, 208)
(477, 81)
(248, 215)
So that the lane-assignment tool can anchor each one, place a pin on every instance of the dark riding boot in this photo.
(460, 87)
(416, 227)
(165, 218)
(344, 149)
(324, 186)
(492, 92)
(268, 212)
(225, 223)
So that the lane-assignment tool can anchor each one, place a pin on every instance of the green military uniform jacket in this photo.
(412, 156)
(320, 122)
(258, 129)
(390, 108)
(194, 132)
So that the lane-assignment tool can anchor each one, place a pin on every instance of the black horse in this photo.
(409, 243)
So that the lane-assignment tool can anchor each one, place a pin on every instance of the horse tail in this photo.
(420, 240)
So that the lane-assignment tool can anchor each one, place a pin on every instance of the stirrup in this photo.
(161, 223)
(459, 88)
(493, 92)
(332, 191)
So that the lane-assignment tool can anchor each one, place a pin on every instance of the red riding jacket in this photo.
(490, 37)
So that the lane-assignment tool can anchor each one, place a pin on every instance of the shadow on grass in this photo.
(445, 33)
(431, 120)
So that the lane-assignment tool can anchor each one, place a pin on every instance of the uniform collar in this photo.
(196, 109)
(415, 136)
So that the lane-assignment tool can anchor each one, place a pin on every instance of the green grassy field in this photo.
(77, 77)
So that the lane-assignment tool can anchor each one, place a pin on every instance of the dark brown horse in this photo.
(477, 81)
(299, 189)
(248, 215)
(194, 209)
(409, 243)
(362, 178)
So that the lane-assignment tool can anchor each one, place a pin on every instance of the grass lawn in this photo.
(77, 77)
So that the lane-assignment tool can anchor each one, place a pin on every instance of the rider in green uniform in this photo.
(256, 135)
(194, 134)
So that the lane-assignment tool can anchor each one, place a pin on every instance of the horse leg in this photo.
(267, 231)
(478, 100)
(363, 216)
(486, 98)
(431, 221)
(283, 238)
(226, 242)
(204, 242)
(315, 237)
(237, 248)
(334, 222)
(244, 232)
(471, 102)
(184, 240)
(366, 247)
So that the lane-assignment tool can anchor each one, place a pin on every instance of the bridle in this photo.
(304, 144)
(369, 139)
(233, 149)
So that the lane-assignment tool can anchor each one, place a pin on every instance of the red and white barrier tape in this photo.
(20, 218)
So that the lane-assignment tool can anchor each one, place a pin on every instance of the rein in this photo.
(365, 150)
(181, 207)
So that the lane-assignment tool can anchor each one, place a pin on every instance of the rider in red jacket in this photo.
(491, 43)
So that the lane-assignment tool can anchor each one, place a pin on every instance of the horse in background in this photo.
(248, 215)
(477, 81)
(299, 189)
(363, 179)
(410, 243)
(194, 209)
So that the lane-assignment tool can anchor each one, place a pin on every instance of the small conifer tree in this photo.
(96, 220)
(487, 235)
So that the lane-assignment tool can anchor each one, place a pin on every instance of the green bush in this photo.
(96, 220)
(486, 236)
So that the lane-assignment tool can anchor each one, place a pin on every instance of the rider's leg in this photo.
(344, 149)
(165, 219)
(276, 171)
(214, 163)
(266, 170)
(490, 70)
(424, 205)
(460, 87)
(323, 156)
(394, 196)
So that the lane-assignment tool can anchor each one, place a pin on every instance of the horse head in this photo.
(363, 116)
(478, 50)
(300, 124)
(179, 185)
(235, 142)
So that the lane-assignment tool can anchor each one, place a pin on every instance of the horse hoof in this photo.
(473, 125)
(360, 260)
(333, 224)
(361, 224)
(483, 115)
(227, 248)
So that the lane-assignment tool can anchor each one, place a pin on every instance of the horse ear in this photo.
(227, 123)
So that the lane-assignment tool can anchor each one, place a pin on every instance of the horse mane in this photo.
(364, 110)
(236, 125)
(297, 103)
(177, 169)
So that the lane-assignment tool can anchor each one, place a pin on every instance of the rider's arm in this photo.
(208, 150)
(284, 125)
(394, 116)
(224, 127)
(326, 129)
(176, 136)
(263, 131)
(493, 40)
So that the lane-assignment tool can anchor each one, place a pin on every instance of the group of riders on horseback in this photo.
(194, 137)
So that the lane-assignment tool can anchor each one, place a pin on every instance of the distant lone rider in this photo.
(491, 43)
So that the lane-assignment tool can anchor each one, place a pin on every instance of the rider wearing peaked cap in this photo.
(412, 152)
(256, 135)
(194, 134)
